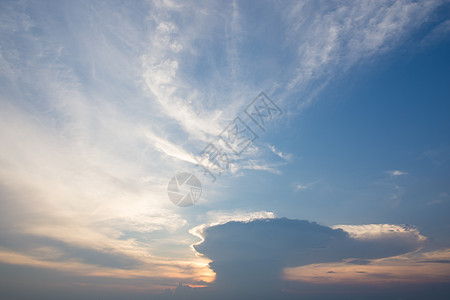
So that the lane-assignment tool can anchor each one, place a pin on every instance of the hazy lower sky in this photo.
(319, 132)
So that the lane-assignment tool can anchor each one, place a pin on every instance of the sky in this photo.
(225, 149)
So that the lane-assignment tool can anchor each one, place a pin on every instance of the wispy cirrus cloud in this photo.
(77, 176)
(330, 38)
(285, 156)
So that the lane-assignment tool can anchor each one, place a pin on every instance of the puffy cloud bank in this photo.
(249, 257)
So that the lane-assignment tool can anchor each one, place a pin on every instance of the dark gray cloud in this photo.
(249, 258)
(361, 262)
(439, 261)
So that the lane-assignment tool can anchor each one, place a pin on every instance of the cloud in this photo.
(435, 202)
(301, 187)
(169, 66)
(333, 37)
(83, 174)
(100, 105)
(411, 269)
(252, 164)
(376, 231)
(214, 218)
(100, 109)
(170, 149)
(249, 257)
(437, 156)
(359, 262)
(440, 32)
(305, 186)
(285, 156)
(397, 173)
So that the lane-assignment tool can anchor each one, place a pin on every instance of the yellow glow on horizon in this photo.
(190, 272)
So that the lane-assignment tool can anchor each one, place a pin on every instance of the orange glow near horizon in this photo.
(193, 273)
(426, 267)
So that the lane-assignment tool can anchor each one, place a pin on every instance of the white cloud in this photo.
(435, 202)
(438, 33)
(301, 187)
(397, 173)
(252, 164)
(338, 35)
(375, 231)
(169, 148)
(167, 69)
(285, 156)
(305, 186)
(214, 218)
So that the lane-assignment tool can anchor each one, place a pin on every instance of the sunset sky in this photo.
(338, 189)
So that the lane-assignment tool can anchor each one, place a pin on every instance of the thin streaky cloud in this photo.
(397, 173)
(285, 156)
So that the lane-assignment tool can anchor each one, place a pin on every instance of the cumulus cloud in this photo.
(250, 256)
(375, 231)
(214, 218)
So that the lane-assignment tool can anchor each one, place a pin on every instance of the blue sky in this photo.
(102, 103)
